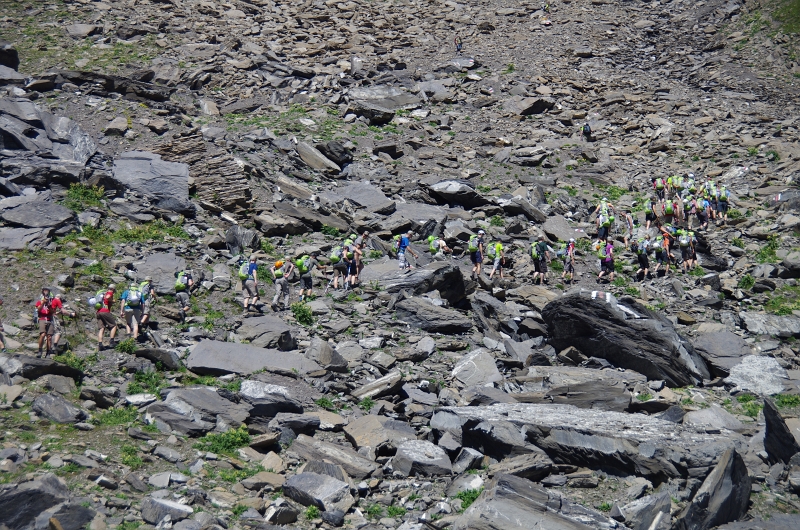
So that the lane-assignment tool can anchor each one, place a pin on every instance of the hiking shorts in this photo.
(439, 256)
(722, 206)
(476, 257)
(106, 320)
(46, 327)
(686, 253)
(249, 287)
(401, 260)
(307, 282)
(341, 267)
(703, 217)
(352, 270)
(607, 266)
(568, 267)
(661, 257)
(131, 314)
(602, 233)
(147, 307)
(660, 193)
(650, 216)
(644, 262)
(498, 263)
(281, 286)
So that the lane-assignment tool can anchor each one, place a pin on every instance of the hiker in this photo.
(457, 41)
(340, 262)
(541, 256)
(586, 132)
(668, 211)
(184, 281)
(280, 276)
(59, 308)
(679, 211)
(723, 196)
(438, 248)
(149, 298)
(105, 320)
(249, 284)
(605, 218)
(569, 262)
(661, 255)
(701, 207)
(642, 249)
(44, 312)
(306, 265)
(627, 219)
(651, 215)
(660, 185)
(361, 241)
(403, 246)
(352, 271)
(182, 299)
(495, 251)
(605, 251)
(476, 251)
(2, 338)
(130, 308)
(675, 184)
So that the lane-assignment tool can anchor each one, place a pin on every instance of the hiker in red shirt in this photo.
(105, 320)
(44, 311)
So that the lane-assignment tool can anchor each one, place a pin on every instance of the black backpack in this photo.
(587, 130)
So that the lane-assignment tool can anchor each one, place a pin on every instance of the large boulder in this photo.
(779, 441)
(8, 55)
(154, 510)
(162, 266)
(722, 350)
(420, 313)
(630, 443)
(442, 276)
(421, 457)
(268, 400)
(766, 324)
(627, 335)
(213, 357)
(267, 332)
(585, 388)
(21, 503)
(322, 491)
(557, 228)
(38, 214)
(55, 408)
(315, 159)
(204, 403)
(32, 368)
(323, 354)
(353, 463)
(458, 193)
(166, 184)
(759, 374)
(22, 238)
(477, 368)
(514, 503)
(722, 498)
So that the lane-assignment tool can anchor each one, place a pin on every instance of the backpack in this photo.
(473, 243)
(434, 245)
(659, 184)
(97, 300)
(336, 255)
(396, 243)
(302, 264)
(601, 252)
(669, 209)
(562, 250)
(683, 240)
(145, 288)
(244, 270)
(643, 247)
(723, 194)
(492, 250)
(134, 297)
(534, 251)
(180, 282)
(586, 129)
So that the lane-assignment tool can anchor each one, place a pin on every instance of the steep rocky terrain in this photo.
(140, 138)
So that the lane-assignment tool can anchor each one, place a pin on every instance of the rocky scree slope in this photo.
(142, 138)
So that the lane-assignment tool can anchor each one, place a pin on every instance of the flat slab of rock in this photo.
(32, 368)
(267, 332)
(421, 457)
(420, 313)
(477, 368)
(353, 463)
(268, 400)
(766, 324)
(322, 491)
(634, 443)
(212, 357)
(55, 408)
(165, 183)
(442, 276)
(722, 350)
(154, 510)
(38, 214)
(162, 266)
(378, 432)
(761, 375)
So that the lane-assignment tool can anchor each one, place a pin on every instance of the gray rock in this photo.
(761, 375)
(648, 512)
(628, 336)
(9, 76)
(116, 127)
(267, 332)
(558, 228)
(722, 498)
(533, 466)
(477, 368)
(722, 350)
(238, 239)
(353, 463)
(82, 31)
(779, 441)
(385, 385)
(55, 408)
(154, 510)
(375, 113)
(714, 417)
(378, 433)
(527, 106)
(268, 400)
(218, 358)
(21, 503)
(513, 503)
(167, 453)
(322, 491)
(8, 55)
(162, 266)
(70, 515)
(420, 313)
(765, 324)
(581, 387)
(458, 193)
(168, 358)
(779, 521)
(38, 214)
(420, 457)
(321, 352)
(22, 238)
(443, 276)
(166, 184)
(315, 159)
(586, 437)
(205, 404)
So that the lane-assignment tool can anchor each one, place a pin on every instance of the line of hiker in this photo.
(681, 198)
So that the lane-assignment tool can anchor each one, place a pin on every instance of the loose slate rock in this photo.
(55, 408)
(212, 357)
(154, 510)
(21, 503)
(420, 457)
(322, 491)
(779, 441)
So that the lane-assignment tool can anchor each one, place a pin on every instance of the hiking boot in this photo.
(39, 354)
(100, 346)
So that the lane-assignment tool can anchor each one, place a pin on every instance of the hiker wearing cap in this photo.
(476, 251)
(280, 276)
(569, 262)
(59, 308)
(130, 308)
(403, 246)
(148, 298)
(44, 312)
(306, 266)
(605, 218)
(541, 256)
(105, 320)
(438, 248)
(496, 249)
(250, 285)
(2, 338)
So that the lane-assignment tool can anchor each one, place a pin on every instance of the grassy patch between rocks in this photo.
(224, 443)
(467, 497)
(116, 416)
(784, 301)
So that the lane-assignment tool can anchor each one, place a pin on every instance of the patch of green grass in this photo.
(129, 525)
(697, 272)
(238, 510)
(787, 400)
(237, 475)
(71, 360)
(746, 282)
(130, 457)
(497, 221)
(737, 241)
(788, 14)
(773, 155)
(330, 231)
(116, 416)
(605, 506)
(745, 398)
(572, 192)
(373, 511)
(510, 68)
(312, 512)
(620, 281)
(646, 396)
(155, 231)
(612, 193)
(783, 301)
(752, 408)
(468, 497)
(302, 313)
(326, 403)
(768, 254)
(366, 404)
(484, 189)
(632, 291)
(752, 151)
(395, 511)
(224, 443)
(79, 197)
(147, 382)
(127, 346)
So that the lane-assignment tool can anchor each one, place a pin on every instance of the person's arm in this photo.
(122, 306)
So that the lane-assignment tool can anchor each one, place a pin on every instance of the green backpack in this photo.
(473, 244)
(180, 282)
(302, 264)
(534, 251)
(97, 300)
(244, 270)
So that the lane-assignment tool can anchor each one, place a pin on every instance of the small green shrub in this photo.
(787, 400)
(747, 282)
(116, 416)
(752, 151)
(302, 313)
(620, 281)
(745, 398)
(468, 497)
(605, 507)
(312, 512)
(374, 511)
(752, 408)
(127, 346)
(646, 396)
(737, 241)
(224, 443)
(768, 254)
(773, 155)
(497, 221)
(366, 404)
(238, 510)
(80, 197)
(510, 68)
(71, 360)
(147, 382)
(330, 231)
(131, 458)
(395, 511)
(325, 403)
(632, 291)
